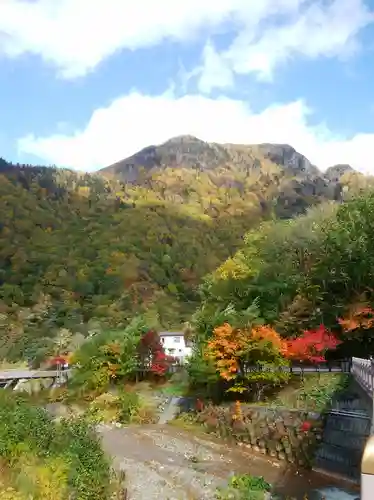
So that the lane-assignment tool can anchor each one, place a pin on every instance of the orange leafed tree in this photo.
(225, 349)
(360, 316)
(267, 335)
(234, 350)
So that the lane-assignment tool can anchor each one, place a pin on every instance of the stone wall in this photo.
(290, 435)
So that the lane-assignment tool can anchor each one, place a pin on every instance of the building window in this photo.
(177, 340)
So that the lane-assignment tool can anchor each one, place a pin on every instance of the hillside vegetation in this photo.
(82, 252)
(313, 274)
(46, 460)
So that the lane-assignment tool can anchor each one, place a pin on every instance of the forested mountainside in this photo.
(79, 252)
(276, 174)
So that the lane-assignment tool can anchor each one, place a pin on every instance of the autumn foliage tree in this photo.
(357, 328)
(360, 317)
(248, 358)
(108, 357)
(152, 355)
(311, 346)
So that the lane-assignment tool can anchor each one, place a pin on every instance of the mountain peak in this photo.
(188, 151)
(181, 139)
(182, 150)
(335, 172)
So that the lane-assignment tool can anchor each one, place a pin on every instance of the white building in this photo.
(175, 345)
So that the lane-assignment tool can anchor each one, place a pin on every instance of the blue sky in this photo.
(86, 83)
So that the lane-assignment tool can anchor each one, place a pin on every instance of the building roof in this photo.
(171, 334)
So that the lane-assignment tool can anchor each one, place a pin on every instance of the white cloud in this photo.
(76, 35)
(135, 120)
(216, 73)
(317, 29)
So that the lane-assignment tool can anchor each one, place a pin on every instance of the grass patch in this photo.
(126, 406)
(174, 389)
(177, 385)
(188, 422)
(314, 392)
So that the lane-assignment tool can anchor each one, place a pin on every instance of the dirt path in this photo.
(164, 463)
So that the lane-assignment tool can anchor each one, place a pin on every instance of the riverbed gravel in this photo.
(163, 462)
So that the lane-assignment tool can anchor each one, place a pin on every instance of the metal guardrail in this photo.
(12, 379)
(341, 367)
(363, 372)
(31, 374)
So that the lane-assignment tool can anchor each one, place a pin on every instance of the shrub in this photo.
(244, 487)
(23, 426)
(129, 404)
(89, 472)
(104, 408)
(45, 460)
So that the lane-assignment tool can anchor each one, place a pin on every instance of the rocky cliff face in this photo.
(182, 151)
(286, 156)
(191, 152)
(336, 172)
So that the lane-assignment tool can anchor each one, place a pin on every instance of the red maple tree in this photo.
(311, 345)
(161, 363)
(152, 354)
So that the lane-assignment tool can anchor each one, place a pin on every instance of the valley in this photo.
(262, 261)
(80, 251)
